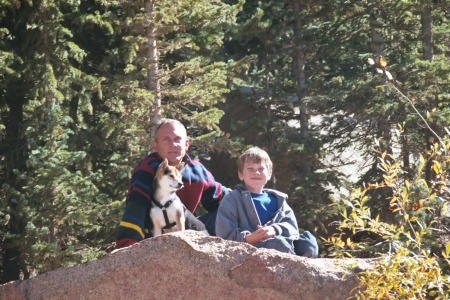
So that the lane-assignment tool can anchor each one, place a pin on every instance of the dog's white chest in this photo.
(167, 212)
(170, 220)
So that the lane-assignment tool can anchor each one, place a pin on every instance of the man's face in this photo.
(171, 143)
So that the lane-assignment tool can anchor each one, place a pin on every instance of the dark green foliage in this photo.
(77, 97)
(75, 115)
(53, 189)
(62, 209)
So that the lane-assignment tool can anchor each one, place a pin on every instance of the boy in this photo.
(260, 216)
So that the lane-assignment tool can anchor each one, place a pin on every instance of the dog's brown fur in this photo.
(165, 184)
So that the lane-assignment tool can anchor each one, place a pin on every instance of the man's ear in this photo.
(187, 144)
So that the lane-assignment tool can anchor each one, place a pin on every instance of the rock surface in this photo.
(191, 265)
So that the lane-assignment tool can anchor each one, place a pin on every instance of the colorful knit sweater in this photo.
(199, 186)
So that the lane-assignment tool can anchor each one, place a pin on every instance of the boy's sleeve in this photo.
(287, 226)
(227, 221)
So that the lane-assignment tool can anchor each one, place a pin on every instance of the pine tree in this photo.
(276, 38)
(42, 82)
(76, 110)
(173, 63)
(363, 106)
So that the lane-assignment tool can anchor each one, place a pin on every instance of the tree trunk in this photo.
(377, 45)
(376, 36)
(15, 157)
(427, 36)
(427, 47)
(299, 68)
(405, 152)
(383, 125)
(153, 81)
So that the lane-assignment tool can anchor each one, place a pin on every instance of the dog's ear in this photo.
(162, 165)
(180, 166)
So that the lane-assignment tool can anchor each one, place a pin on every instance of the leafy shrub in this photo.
(413, 251)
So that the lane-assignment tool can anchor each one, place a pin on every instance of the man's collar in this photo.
(185, 159)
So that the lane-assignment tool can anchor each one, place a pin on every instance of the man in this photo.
(171, 142)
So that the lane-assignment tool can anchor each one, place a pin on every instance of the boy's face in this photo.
(255, 176)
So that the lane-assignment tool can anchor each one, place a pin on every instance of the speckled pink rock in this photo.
(191, 265)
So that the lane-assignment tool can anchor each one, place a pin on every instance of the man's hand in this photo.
(261, 234)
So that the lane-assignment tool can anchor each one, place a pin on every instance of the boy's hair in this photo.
(174, 122)
(256, 155)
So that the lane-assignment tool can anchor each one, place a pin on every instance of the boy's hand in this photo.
(261, 234)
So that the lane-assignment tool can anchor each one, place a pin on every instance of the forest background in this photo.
(82, 84)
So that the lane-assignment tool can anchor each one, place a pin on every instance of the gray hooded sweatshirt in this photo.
(237, 216)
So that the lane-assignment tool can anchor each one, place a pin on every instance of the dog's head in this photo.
(169, 177)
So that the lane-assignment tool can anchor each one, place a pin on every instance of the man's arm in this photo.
(213, 193)
(134, 225)
(200, 187)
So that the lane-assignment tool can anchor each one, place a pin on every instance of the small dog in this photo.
(167, 213)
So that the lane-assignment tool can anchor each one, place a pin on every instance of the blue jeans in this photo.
(277, 243)
(306, 245)
(209, 219)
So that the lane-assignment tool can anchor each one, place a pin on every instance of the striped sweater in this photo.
(199, 186)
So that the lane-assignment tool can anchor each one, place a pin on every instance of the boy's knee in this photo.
(306, 245)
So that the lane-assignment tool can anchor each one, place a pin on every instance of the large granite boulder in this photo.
(191, 265)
